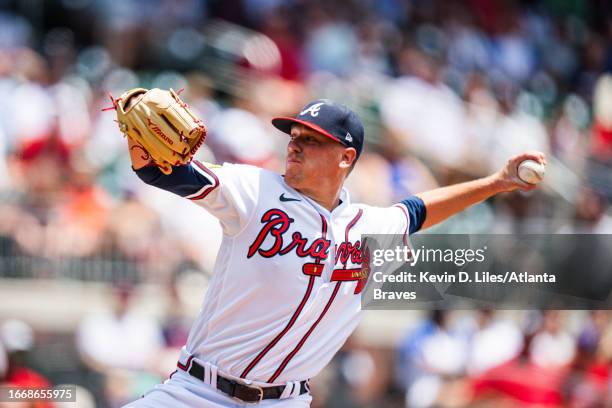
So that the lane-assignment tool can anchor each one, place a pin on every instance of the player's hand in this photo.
(138, 154)
(507, 178)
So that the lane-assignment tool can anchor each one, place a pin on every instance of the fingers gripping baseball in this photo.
(508, 176)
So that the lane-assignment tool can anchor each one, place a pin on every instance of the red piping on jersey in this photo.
(297, 348)
(348, 228)
(294, 317)
(211, 188)
(185, 367)
(324, 227)
(401, 207)
(355, 274)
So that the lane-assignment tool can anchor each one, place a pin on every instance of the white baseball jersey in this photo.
(285, 293)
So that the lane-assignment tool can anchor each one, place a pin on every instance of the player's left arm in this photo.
(442, 203)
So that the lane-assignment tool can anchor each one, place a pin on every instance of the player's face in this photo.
(312, 158)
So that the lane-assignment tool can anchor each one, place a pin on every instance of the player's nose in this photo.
(294, 145)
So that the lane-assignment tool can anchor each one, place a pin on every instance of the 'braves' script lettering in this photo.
(274, 239)
(348, 250)
(275, 224)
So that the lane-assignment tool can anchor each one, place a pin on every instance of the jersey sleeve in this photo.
(229, 192)
(415, 212)
(404, 218)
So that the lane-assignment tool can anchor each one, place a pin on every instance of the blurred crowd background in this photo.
(99, 284)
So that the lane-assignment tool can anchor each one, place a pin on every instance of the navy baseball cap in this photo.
(331, 119)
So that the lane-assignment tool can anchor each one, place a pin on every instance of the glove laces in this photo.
(114, 101)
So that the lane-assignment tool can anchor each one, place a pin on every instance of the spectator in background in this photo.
(602, 129)
(122, 344)
(569, 140)
(494, 342)
(44, 166)
(592, 331)
(505, 377)
(18, 338)
(552, 347)
(119, 337)
(176, 323)
(341, 43)
(132, 228)
(80, 218)
(240, 137)
(431, 358)
(423, 112)
(588, 385)
(356, 382)
(600, 168)
(591, 216)
(277, 24)
(592, 389)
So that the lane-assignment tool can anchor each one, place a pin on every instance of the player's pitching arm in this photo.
(229, 192)
(442, 203)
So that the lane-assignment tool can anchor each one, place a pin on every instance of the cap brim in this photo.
(284, 125)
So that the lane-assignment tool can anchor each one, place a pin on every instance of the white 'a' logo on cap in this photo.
(313, 109)
(348, 137)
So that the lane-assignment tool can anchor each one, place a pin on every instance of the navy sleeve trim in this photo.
(417, 212)
(193, 181)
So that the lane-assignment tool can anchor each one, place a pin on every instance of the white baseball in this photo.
(531, 172)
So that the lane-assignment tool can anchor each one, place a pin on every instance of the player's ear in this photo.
(349, 155)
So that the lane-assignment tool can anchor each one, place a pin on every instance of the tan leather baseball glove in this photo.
(162, 124)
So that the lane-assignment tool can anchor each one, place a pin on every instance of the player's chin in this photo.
(293, 167)
(292, 176)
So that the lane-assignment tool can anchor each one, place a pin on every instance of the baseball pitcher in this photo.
(285, 293)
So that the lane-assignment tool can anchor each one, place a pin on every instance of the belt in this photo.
(244, 392)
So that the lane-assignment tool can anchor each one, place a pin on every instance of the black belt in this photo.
(246, 393)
